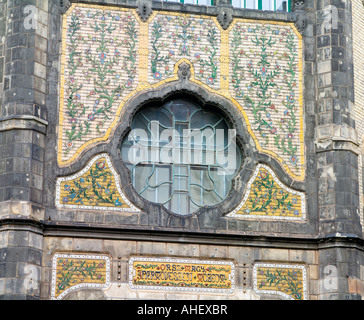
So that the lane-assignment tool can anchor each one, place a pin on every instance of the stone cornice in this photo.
(87, 231)
(23, 122)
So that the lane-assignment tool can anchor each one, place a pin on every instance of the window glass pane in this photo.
(282, 5)
(204, 2)
(161, 172)
(267, 5)
(190, 1)
(238, 3)
(251, 4)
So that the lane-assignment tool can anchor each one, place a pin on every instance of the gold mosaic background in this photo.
(181, 275)
(267, 197)
(289, 281)
(78, 271)
(97, 186)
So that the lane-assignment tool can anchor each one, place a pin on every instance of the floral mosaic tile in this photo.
(96, 187)
(176, 36)
(286, 280)
(267, 197)
(99, 70)
(74, 271)
(265, 73)
(109, 55)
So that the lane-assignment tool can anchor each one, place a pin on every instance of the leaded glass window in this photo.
(181, 155)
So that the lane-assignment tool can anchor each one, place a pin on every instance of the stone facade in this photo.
(73, 75)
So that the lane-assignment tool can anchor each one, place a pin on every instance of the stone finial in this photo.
(60, 6)
(144, 9)
(225, 17)
(298, 5)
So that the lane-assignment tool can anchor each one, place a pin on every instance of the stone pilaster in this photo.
(23, 128)
(336, 137)
(337, 149)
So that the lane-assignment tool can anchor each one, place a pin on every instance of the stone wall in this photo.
(3, 8)
(116, 276)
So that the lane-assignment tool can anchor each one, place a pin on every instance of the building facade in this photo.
(181, 150)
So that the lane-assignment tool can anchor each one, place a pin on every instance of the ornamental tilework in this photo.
(75, 271)
(96, 187)
(174, 37)
(265, 80)
(110, 55)
(99, 70)
(286, 280)
(267, 197)
(177, 274)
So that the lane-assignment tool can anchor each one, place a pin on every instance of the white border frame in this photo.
(131, 208)
(234, 213)
(181, 260)
(81, 285)
(283, 266)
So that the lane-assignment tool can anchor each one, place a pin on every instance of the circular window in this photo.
(181, 156)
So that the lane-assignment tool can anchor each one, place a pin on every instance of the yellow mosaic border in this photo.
(224, 81)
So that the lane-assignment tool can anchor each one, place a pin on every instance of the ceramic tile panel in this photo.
(268, 198)
(74, 271)
(177, 274)
(96, 187)
(265, 78)
(287, 280)
(110, 55)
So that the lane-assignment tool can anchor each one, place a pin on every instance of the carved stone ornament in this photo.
(144, 9)
(60, 6)
(184, 71)
(298, 5)
(225, 17)
(301, 21)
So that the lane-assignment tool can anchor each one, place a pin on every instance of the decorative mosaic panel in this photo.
(181, 274)
(265, 75)
(286, 280)
(99, 70)
(267, 197)
(110, 55)
(176, 36)
(75, 271)
(96, 187)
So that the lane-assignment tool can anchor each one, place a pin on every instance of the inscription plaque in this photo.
(181, 274)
